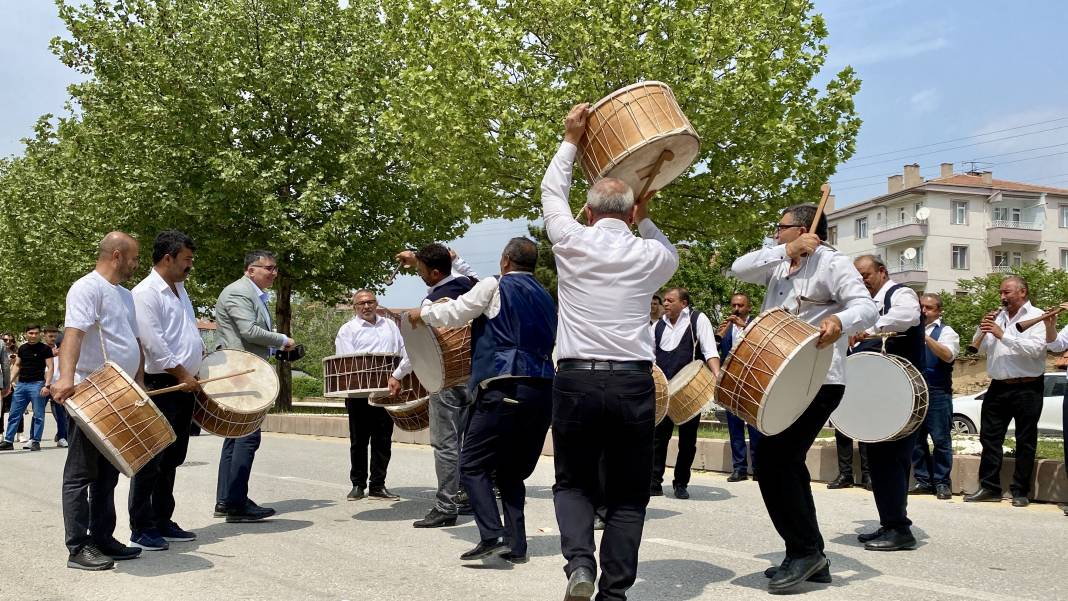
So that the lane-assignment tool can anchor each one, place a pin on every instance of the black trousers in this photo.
(504, 437)
(372, 425)
(89, 482)
(687, 450)
(5, 408)
(785, 483)
(891, 467)
(151, 501)
(844, 446)
(235, 467)
(1003, 403)
(609, 414)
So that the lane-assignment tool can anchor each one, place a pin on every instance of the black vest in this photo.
(908, 345)
(938, 373)
(671, 362)
(451, 289)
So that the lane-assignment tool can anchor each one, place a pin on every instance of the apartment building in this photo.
(959, 225)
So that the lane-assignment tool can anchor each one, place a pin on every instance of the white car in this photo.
(967, 409)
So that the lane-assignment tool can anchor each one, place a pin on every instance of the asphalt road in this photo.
(321, 546)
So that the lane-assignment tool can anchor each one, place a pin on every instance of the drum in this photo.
(690, 390)
(411, 416)
(662, 396)
(627, 131)
(119, 418)
(774, 372)
(885, 398)
(441, 357)
(234, 407)
(411, 390)
(358, 375)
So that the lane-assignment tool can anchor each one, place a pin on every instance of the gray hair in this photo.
(875, 261)
(1020, 282)
(937, 298)
(523, 253)
(610, 196)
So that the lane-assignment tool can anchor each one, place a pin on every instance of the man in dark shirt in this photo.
(52, 339)
(32, 368)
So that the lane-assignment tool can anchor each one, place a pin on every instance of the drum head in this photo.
(248, 393)
(683, 377)
(794, 387)
(684, 147)
(878, 398)
(425, 354)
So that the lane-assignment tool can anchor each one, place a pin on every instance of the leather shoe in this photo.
(249, 513)
(90, 558)
(355, 494)
(485, 548)
(823, 576)
(737, 476)
(870, 536)
(382, 494)
(921, 489)
(514, 558)
(118, 551)
(943, 492)
(1020, 501)
(983, 494)
(893, 540)
(865, 482)
(681, 492)
(436, 519)
(656, 490)
(220, 510)
(841, 482)
(796, 571)
(579, 585)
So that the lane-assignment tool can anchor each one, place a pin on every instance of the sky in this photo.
(951, 81)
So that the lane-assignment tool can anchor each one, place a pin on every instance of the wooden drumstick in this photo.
(653, 171)
(825, 190)
(184, 386)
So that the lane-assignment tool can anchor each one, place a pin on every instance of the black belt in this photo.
(1024, 380)
(595, 365)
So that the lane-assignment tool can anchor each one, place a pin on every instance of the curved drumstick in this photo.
(184, 386)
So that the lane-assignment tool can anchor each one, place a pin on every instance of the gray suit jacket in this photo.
(5, 367)
(241, 320)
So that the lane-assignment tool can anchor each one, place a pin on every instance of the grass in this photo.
(719, 431)
(1047, 449)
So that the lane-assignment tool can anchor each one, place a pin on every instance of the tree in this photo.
(703, 272)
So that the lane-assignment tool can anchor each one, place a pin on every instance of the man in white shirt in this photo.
(369, 332)
(680, 336)
(100, 313)
(603, 393)
(173, 352)
(822, 287)
(932, 468)
(1015, 362)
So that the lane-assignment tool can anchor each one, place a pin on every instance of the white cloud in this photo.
(925, 101)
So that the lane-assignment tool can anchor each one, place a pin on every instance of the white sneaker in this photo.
(62, 443)
(21, 438)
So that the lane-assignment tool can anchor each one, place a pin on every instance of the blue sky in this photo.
(931, 72)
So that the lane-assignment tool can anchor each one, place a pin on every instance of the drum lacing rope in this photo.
(136, 440)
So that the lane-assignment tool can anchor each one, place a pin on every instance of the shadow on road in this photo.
(675, 579)
(864, 526)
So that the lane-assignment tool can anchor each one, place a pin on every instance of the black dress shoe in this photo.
(737, 476)
(90, 558)
(579, 585)
(485, 548)
(681, 492)
(381, 493)
(513, 558)
(436, 519)
(841, 482)
(1020, 501)
(656, 490)
(943, 492)
(865, 482)
(796, 571)
(7, 446)
(355, 494)
(921, 489)
(118, 551)
(870, 536)
(983, 494)
(823, 576)
(220, 510)
(893, 540)
(249, 513)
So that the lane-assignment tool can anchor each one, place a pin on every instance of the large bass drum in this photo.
(885, 398)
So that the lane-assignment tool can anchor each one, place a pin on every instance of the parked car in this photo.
(967, 409)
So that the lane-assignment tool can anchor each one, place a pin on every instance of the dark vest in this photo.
(671, 362)
(727, 343)
(451, 289)
(519, 340)
(938, 373)
(908, 344)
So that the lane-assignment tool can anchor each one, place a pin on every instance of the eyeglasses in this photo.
(782, 226)
(361, 303)
(267, 268)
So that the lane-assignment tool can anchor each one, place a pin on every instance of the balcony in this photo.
(893, 232)
(999, 232)
(908, 273)
(1004, 268)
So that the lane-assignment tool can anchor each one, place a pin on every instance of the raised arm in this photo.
(460, 311)
(556, 184)
(757, 266)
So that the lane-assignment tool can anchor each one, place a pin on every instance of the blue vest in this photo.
(938, 373)
(908, 345)
(671, 362)
(454, 288)
(727, 342)
(519, 340)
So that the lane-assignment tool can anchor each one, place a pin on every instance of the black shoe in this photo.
(485, 548)
(355, 494)
(681, 492)
(943, 492)
(118, 551)
(893, 540)
(737, 476)
(983, 494)
(656, 490)
(381, 493)
(436, 519)
(33, 446)
(1020, 501)
(865, 482)
(90, 558)
(249, 513)
(795, 572)
(7, 446)
(841, 482)
(220, 510)
(921, 489)
(870, 536)
(513, 558)
(579, 585)
(598, 522)
(823, 576)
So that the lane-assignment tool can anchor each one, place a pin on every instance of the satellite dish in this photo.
(922, 214)
(909, 253)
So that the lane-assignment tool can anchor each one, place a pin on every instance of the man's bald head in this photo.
(115, 241)
(117, 257)
(610, 197)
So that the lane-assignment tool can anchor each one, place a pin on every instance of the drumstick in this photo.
(825, 189)
(666, 155)
(184, 386)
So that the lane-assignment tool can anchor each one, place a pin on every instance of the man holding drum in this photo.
(100, 315)
(603, 395)
(173, 351)
(823, 288)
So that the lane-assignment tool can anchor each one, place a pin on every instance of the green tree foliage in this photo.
(702, 271)
(545, 272)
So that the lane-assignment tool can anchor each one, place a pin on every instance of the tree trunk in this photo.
(284, 318)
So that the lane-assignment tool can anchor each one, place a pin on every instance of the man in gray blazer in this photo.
(6, 350)
(243, 322)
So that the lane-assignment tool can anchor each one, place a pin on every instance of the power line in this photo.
(996, 131)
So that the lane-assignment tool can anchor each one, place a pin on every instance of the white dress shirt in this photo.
(1017, 354)
(947, 338)
(1060, 343)
(605, 274)
(904, 309)
(383, 336)
(93, 300)
(168, 326)
(673, 334)
(483, 299)
(827, 278)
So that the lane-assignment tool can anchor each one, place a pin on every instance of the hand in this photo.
(575, 123)
(415, 317)
(63, 388)
(190, 382)
(641, 207)
(289, 345)
(394, 387)
(830, 331)
(45, 390)
(6, 391)
(452, 254)
(804, 245)
(990, 326)
(406, 258)
(722, 330)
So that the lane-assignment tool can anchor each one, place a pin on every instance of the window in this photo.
(1064, 215)
(1001, 258)
(960, 257)
(901, 215)
(919, 257)
(1017, 258)
(960, 212)
(860, 228)
(1001, 214)
(1016, 214)
(1064, 259)
(832, 235)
